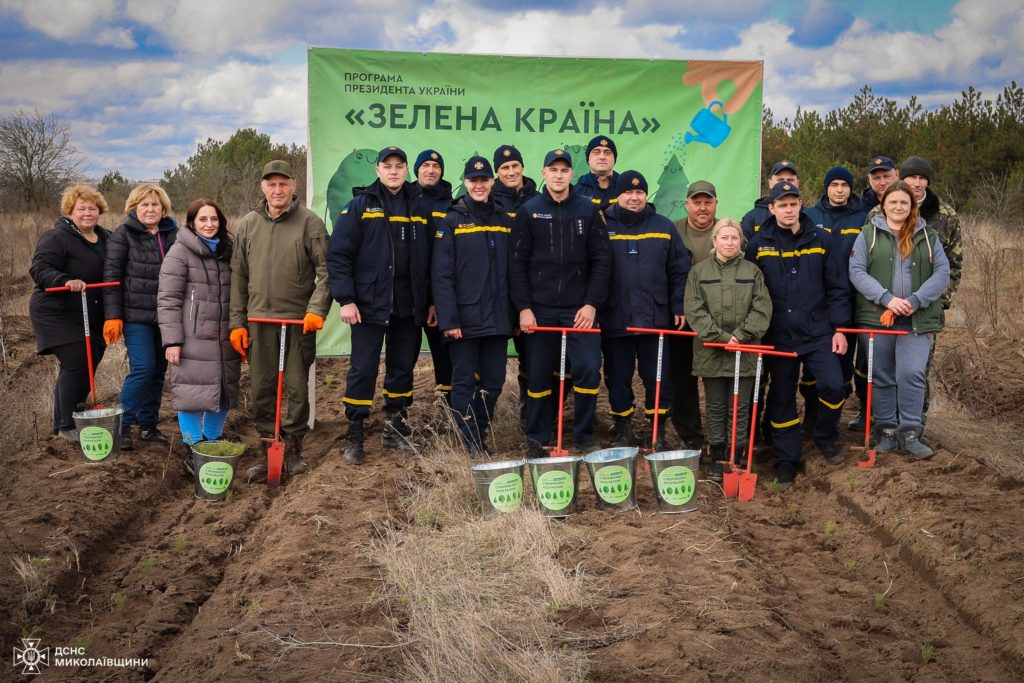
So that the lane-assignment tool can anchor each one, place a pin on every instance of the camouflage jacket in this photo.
(942, 219)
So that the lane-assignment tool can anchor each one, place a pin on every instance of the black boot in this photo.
(623, 431)
(257, 473)
(719, 454)
(396, 435)
(354, 454)
(293, 462)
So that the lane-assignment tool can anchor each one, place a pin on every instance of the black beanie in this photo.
(838, 173)
(630, 180)
(428, 155)
(916, 166)
(602, 141)
(505, 154)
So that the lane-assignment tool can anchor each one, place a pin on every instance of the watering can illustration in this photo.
(709, 128)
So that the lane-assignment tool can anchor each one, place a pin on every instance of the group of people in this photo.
(495, 261)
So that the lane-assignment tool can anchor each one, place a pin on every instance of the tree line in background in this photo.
(975, 146)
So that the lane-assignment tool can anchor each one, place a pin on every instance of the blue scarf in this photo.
(211, 243)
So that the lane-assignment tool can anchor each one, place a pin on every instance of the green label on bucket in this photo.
(96, 442)
(613, 483)
(676, 485)
(555, 489)
(215, 477)
(506, 492)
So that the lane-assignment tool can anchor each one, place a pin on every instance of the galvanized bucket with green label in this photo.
(613, 471)
(674, 474)
(99, 433)
(214, 465)
(555, 483)
(499, 485)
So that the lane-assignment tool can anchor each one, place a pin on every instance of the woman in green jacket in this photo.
(726, 301)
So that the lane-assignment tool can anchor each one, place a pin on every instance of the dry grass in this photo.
(991, 294)
(478, 598)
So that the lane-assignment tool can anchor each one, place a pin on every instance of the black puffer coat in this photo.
(62, 254)
(134, 258)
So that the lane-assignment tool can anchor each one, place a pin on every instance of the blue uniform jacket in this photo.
(509, 200)
(807, 280)
(649, 269)
(587, 186)
(470, 269)
(755, 218)
(560, 254)
(843, 222)
(361, 255)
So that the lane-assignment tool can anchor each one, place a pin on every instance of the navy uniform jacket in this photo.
(843, 222)
(868, 200)
(649, 269)
(560, 254)
(755, 218)
(361, 255)
(807, 280)
(587, 186)
(509, 200)
(469, 272)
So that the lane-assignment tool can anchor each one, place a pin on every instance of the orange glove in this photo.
(112, 330)
(240, 342)
(312, 322)
(888, 318)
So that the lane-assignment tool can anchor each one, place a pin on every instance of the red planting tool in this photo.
(557, 449)
(867, 450)
(657, 382)
(275, 451)
(91, 398)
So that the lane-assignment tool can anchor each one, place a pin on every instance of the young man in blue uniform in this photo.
(558, 276)
(806, 278)
(378, 264)
(469, 274)
(649, 268)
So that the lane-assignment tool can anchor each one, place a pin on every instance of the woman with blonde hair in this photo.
(69, 255)
(726, 301)
(137, 250)
(900, 272)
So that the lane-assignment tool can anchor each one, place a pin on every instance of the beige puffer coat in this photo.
(192, 309)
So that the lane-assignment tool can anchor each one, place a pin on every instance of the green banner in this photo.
(674, 121)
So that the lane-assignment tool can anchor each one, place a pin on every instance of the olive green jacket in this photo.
(279, 266)
(726, 300)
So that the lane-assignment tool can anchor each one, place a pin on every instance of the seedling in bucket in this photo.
(275, 449)
(866, 450)
(557, 450)
(90, 400)
(657, 378)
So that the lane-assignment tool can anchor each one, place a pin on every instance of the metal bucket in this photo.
(674, 475)
(214, 465)
(99, 433)
(613, 472)
(555, 483)
(499, 485)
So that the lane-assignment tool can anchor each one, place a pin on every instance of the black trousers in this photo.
(403, 337)
(478, 366)
(72, 385)
(685, 396)
(442, 362)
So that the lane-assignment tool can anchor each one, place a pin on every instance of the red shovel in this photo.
(748, 480)
(867, 450)
(731, 477)
(275, 451)
(91, 398)
(557, 450)
(657, 381)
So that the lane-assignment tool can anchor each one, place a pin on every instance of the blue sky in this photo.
(143, 82)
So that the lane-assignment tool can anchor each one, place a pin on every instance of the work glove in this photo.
(240, 342)
(312, 322)
(112, 330)
(888, 318)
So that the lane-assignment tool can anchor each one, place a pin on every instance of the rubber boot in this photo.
(354, 454)
(623, 431)
(719, 454)
(257, 473)
(396, 435)
(293, 462)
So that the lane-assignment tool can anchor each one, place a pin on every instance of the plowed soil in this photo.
(906, 571)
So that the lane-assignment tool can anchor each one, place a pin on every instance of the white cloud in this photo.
(70, 20)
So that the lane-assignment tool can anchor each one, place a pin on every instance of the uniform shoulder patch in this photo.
(439, 234)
